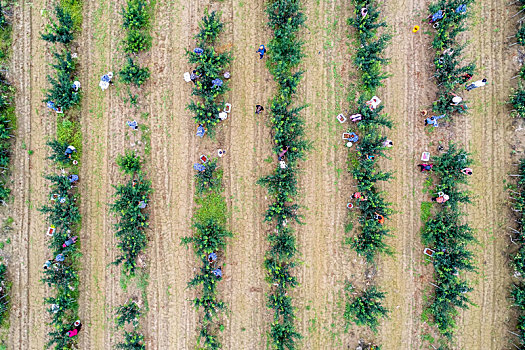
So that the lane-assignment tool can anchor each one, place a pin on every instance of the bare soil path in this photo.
(105, 136)
(325, 182)
(488, 135)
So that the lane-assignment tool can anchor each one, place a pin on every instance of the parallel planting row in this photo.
(131, 200)
(210, 235)
(370, 124)
(7, 126)
(207, 75)
(7, 107)
(517, 99)
(132, 197)
(448, 17)
(517, 194)
(449, 236)
(62, 211)
(285, 54)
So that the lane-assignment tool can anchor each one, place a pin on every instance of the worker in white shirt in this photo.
(476, 84)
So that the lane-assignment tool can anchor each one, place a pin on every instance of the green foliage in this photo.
(448, 63)
(7, 123)
(132, 220)
(60, 31)
(209, 179)
(129, 162)
(517, 292)
(209, 65)
(210, 236)
(137, 41)
(285, 52)
(5, 298)
(210, 27)
(3, 19)
(74, 8)
(132, 341)
(366, 309)
(62, 213)
(517, 99)
(58, 150)
(369, 60)
(128, 313)
(135, 21)
(449, 238)
(135, 14)
(62, 210)
(132, 73)
(61, 91)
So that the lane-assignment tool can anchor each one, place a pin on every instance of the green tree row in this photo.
(131, 199)
(210, 235)
(450, 72)
(517, 99)
(209, 66)
(7, 106)
(285, 52)
(62, 213)
(447, 234)
(367, 309)
(135, 21)
(61, 210)
(517, 193)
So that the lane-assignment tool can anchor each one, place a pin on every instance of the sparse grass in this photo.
(426, 211)
(211, 206)
(75, 9)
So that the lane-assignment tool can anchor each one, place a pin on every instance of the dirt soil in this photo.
(169, 134)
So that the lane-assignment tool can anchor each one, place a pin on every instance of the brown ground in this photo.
(171, 321)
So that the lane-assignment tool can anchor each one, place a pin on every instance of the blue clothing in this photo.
(353, 137)
(134, 125)
(261, 51)
(70, 150)
(461, 8)
(199, 167)
(212, 257)
(217, 272)
(51, 104)
(198, 50)
(73, 178)
(217, 82)
(437, 15)
(200, 131)
(105, 78)
(433, 120)
(60, 257)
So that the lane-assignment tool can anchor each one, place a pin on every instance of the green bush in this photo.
(60, 31)
(132, 221)
(137, 41)
(210, 27)
(129, 163)
(132, 341)
(209, 65)
(366, 309)
(128, 313)
(61, 91)
(135, 14)
(132, 73)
